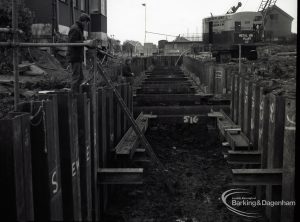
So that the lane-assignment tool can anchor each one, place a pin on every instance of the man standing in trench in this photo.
(127, 73)
(76, 53)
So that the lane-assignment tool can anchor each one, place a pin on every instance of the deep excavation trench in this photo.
(193, 156)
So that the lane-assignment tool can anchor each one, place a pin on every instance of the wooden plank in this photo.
(254, 115)
(236, 99)
(275, 150)
(94, 148)
(263, 125)
(232, 104)
(69, 155)
(15, 163)
(130, 139)
(252, 177)
(288, 177)
(243, 157)
(103, 151)
(186, 82)
(237, 141)
(180, 110)
(165, 90)
(117, 118)
(102, 121)
(110, 120)
(247, 107)
(46, 169)
(120, 175)
(169, 98)
(166, 83)
(166, 76)
(241, 102)
(162, 79)
(84, 141)
(276, 131)
(124, 118)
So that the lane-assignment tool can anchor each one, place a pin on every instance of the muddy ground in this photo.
(193, 156)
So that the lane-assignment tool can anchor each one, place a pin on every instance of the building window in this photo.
(274, 16)
(247, 22)
(103, 7)
(237, 26)
(82, 5)
(258, 18)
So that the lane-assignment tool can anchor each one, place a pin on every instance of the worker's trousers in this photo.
(77, 76)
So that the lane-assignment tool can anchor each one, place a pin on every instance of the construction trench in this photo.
(210, 129)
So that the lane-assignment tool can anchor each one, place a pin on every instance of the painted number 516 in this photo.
(190, 119)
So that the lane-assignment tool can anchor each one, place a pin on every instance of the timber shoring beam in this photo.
(120, 176)
(130, 140)
(179, 110)
(243, 157)
(254, 177)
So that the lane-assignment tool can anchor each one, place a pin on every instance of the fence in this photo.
(211, 77)
(262, 141)
(53, 141)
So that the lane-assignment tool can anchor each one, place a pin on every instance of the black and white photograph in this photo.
(148, 110)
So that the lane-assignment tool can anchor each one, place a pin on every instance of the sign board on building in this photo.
(244, 37)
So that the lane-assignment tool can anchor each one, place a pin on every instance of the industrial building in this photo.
(53, 18)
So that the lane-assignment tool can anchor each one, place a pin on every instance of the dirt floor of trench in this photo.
(193, 156)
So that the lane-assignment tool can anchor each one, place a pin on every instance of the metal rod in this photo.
(31, 44)
(15, 52)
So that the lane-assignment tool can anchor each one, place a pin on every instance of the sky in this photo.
(126, 18)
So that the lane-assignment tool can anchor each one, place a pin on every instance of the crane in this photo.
(266, 4)
(263, 8)
(233, 9)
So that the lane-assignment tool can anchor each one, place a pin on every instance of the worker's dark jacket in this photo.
(127, 71)
(75, 54)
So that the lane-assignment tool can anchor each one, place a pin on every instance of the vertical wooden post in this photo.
(103, 151)
(15, 165)
(247, 107)
(254, 115)
(15, 7)
(95, 137)
(275, 151)
(240, 58)
(46, 169)
(124, 118)
(84, 140)
(236, 98)
(263, 127)
(241, 101)
(232, 102)
(288, 177)
(117, 125)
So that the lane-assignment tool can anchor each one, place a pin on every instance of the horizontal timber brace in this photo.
(120, 176)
